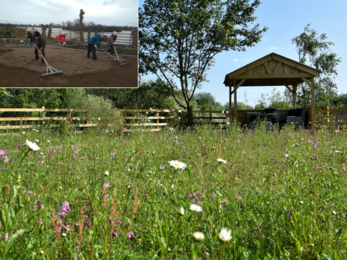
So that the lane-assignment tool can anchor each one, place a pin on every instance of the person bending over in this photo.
(92, 41)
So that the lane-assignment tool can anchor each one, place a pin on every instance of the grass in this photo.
(106, 196)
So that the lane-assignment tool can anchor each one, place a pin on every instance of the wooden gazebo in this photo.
(272, 70)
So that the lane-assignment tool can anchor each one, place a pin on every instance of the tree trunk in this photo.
(189, 114)
(81, 25)
(44, 28)
(50, 31)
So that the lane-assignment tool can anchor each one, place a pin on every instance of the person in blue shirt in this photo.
(92, 41)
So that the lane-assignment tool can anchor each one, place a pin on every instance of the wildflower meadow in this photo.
(179, 193)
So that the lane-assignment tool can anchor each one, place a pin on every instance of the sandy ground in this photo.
(17, 69)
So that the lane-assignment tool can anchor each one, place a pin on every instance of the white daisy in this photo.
(195, 208)
(48, 141)
(224, 235)
(177, 164)
(106, 173)
(32, 146)
(198, 236)
(221, 160)
(181, 211)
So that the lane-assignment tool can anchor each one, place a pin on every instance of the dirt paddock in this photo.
(17, 69)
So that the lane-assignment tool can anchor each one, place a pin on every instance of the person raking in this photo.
(31, 37)
(40, 42)
(92, 41)
(111, 43)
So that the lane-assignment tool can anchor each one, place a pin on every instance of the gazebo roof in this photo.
(271, 70)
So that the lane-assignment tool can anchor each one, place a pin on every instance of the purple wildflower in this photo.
(106, 185)
(30, 192)
(130, 234)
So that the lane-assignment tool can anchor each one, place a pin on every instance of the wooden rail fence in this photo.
(146, 121)
(339, 114)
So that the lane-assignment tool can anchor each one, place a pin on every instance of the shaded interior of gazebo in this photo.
(271, 70)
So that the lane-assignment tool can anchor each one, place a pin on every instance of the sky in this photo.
(106, 12)
(285, 19)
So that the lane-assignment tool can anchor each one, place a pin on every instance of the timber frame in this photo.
(272, 70)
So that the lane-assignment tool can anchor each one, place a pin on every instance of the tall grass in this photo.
(105, 196)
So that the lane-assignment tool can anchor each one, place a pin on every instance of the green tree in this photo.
(314, 51)
(206, 101)
(181, 38)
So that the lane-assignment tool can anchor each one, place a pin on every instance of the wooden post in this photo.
(43, 115)
(87, 115)
(157, 119)
(229, 99)
(294, 95)
(312, 105)
(125, 119)
(235, 102)
(327, 111)
(210, 116)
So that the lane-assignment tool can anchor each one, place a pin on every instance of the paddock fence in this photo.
(328, 116)
(125, 38)
(125, 120)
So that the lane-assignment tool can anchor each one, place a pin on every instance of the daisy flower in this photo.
(32, 146)
(196, 208)
(221, 160)
(224, 235)
(198, 236)
(181, 211)
(177, 164)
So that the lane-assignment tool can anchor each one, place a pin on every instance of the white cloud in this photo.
(272, 48)
(235, 60)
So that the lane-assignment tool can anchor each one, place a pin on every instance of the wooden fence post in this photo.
(125, 119)
(210, 116)
(157, 119)
(87, 115)
(327, 108)
(43, 115)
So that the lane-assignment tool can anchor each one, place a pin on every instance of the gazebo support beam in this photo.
(291, 91)
(235, 96)
(312, 105)
(235, 102)
(312, 101)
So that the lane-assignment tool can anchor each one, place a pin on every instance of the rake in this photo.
(52, 70)
(117, 58)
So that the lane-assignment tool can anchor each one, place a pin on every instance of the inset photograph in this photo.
(90, 44)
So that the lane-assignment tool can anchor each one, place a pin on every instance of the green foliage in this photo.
(274, 100)
(313, 50)
(180, 39)
(206, 101)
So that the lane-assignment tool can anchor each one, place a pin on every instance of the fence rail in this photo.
(125, 118)
(123, 38)
(339, 114)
